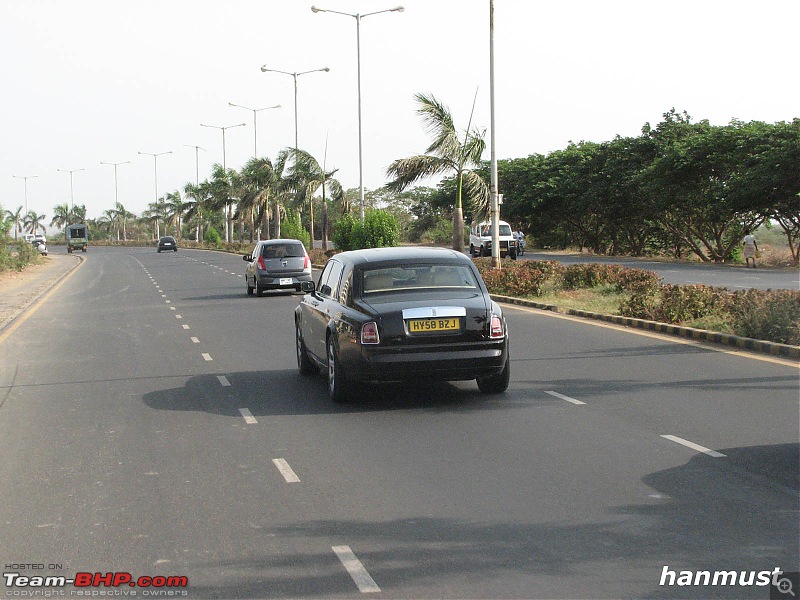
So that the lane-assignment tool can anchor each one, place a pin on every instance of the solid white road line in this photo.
(248, 416)
(288, 474)
(206, 356)
(223, 381)
(563, 397)
(357, 571)
(694, 446)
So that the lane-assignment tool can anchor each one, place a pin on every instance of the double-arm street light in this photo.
(358, 18)
(264, 69)
(255, 130)
(71, 188)
(228, 216)
(155, 175)
(115, 165)
(25, 177)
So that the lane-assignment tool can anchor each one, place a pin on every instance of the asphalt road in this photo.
(152, 421)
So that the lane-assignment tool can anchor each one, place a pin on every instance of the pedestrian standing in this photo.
(750, 249)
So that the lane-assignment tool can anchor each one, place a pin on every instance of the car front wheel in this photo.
(304, 364)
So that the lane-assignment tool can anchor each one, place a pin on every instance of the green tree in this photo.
(33, 222)
(446, 154)
(306, 176)
(257, 182)
(61, 215)
(16, 218)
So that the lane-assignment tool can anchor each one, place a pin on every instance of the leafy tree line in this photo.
(678, 188)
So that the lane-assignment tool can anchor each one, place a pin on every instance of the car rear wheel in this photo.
(259, 290)
(496, 384)
(339, 388)
(250, 290)
(304, 364)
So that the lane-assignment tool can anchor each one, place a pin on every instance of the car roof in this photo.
(374, 256)
(279, 241)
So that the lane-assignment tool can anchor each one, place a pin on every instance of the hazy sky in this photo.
(86, 81)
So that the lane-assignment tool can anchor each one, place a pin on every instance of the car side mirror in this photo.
(308, 286)
(247, 257)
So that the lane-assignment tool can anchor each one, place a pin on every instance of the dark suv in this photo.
(277, 265)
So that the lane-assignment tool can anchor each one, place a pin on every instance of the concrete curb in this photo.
(751, 344)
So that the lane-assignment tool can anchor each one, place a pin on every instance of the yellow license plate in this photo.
(423, 325)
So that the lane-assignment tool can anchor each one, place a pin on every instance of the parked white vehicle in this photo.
(480, 240)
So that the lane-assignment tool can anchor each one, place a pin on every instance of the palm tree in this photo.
(60, 216)
(257, 183)
(198, 198)
(175, 207)
(16, 219)
(124, 215)
(446, 154)
(33, 222)
(307, 177)
(78, 214)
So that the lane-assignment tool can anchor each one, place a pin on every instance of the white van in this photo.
(480, 240)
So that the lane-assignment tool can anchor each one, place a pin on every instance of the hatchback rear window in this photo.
(283, 251)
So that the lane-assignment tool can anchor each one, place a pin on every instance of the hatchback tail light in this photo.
(261, 264)
(496, 331)
(369, 333)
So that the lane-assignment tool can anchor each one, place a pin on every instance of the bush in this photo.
(681, 303)
(378, 230)
(291, 228)
(347, 234)
(211, 236)
(767, 315)
(590, 275)
(637, 281)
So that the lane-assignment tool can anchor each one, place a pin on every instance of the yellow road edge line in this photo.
(655, 335)
(19, 320)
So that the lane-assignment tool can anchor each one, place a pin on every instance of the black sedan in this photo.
(167, 242)
(401, 314)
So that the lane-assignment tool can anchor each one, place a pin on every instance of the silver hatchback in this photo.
(277, 265)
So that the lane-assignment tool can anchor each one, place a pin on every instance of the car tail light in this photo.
(369, 333)
(496, 331)
(261, 264)
(306, 263)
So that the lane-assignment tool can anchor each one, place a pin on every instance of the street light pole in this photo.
(358, 18)
(228, 216)
(25, 177)
(71, 188)
(155, 174)
(116, 195)
(493, 177)
(264, 69)
(255, 130)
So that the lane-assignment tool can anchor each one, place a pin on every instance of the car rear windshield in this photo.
(415, 277)
(283, 250)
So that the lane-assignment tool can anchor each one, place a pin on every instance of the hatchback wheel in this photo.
(259, 290)
(250, 290)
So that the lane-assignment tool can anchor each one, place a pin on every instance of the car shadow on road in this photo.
(705, 515)
(285, 392)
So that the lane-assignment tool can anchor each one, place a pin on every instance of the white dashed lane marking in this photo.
(694, 446)
(248, 416)
(356, 570)
(288, 474)
(563, 397)
(206, 356)
(223, 381)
